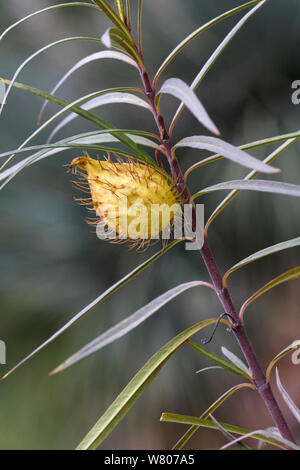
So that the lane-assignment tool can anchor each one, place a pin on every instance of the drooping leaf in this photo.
(107, 97)
(236, 361)
(292, 137)
(193, 429)
(121, 405)
(220, 361)
(40, 51)
(261, 254)
(213, 144)
(275, 187)
(31, 15)
(292, 347)
(205, 423)
(111, 290)
(250, 176)
(81, 112)
(268, 434)
(287, 276)
(86, 141)
(196, 33)
(288, 400)
(128, 324)
(86, 60)
(209, 63)
(179, 89)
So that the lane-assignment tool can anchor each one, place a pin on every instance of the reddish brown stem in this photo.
(258, 377)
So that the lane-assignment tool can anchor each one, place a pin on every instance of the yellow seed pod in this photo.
(134, 201)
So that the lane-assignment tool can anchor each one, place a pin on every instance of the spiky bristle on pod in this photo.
(134, 201)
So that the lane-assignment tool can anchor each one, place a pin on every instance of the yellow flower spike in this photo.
(133, 201)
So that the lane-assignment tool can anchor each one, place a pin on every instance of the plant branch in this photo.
(259, 380)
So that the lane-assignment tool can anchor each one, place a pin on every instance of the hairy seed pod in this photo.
(134, 201)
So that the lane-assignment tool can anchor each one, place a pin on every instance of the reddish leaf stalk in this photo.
(258, 377)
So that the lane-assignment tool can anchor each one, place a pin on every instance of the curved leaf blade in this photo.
(288, 400)
(250, 176)
(223, 363)
(210, 62)
(261, 254)
(205, 423)
(128, 324)
(40, 51)
(292, 347)
(196, 33)
(112, 15)
(213, 144)
(111, 290)
(273, 435)
(193, 429)
(116, 55)
(236, 361)
(276, 187)
(119, 408)
(178, 88)
(107, 97)
(287, 276)
(81, 112)
(31, 15)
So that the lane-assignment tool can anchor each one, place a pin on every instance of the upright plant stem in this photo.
(258, 377)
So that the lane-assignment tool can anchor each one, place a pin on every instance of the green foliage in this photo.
(121, 38)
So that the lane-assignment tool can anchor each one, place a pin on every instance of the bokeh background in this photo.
(52, 264)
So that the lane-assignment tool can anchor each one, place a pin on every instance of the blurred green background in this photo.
(52, 264)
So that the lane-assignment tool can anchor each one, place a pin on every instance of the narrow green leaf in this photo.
(205, 423)
(287, 276)
(81, 112)
(261, 254)
(106, 97)
(112, 15)
(193, 429)
(125, 326)
(292, 137)
(66, 144)
(122, 404)
(210, 62)
(236, 361)
(288, 400)
(288, 445)
(140, 10)
(128, 19)
(120, 7)
(118, 36)
(86, 60)
(213, 144)
(276, 187)
(179, 89)
(250, 176)
(292, 347)
(220, 361)
(111, 290)
(61, 5)
(40, 51)
(196, 33)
